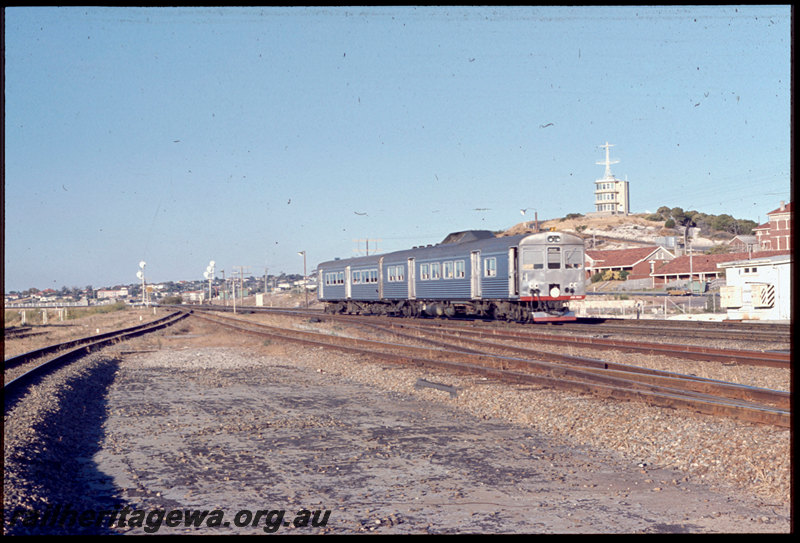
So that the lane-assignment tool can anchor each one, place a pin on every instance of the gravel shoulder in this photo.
(181, 421)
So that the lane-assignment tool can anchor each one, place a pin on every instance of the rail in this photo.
(673, 391)
(75, 349)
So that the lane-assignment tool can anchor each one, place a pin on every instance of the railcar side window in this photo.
(490, 267)
(573, 258)
(361, 277)
(553, 258)
(424, 272)
(435, 270)
(447, 270)
(459, 269)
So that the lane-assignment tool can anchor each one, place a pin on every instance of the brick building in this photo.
(701, 267)
(776, 233)
(639, 262)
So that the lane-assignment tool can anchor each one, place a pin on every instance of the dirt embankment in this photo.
(622, 230)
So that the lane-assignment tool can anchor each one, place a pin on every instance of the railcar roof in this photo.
(441, 250)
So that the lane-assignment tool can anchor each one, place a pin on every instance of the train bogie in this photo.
(526, 278)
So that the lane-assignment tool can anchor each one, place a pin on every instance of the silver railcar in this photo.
(526, 278)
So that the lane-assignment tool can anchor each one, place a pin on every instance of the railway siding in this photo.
(597, 466)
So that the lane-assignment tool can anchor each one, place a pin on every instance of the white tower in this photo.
(611, 195)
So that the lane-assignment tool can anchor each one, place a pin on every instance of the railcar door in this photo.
(380, 278)
(412, 280)
(475, 275)
(513, 284)
(348, 286)
(320, 285)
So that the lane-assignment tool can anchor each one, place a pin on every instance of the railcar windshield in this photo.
(554, 258)
(532, 259)
(573, 258)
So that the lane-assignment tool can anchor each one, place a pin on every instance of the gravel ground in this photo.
(238, 424)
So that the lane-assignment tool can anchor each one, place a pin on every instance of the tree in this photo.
(745, 226)
(681, 217)
(723, 222)
(677, 214)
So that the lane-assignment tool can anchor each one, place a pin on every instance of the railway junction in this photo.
(269, 432)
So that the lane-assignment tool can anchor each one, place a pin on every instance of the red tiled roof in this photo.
(786, 209)
(620, 257)
(708, 263)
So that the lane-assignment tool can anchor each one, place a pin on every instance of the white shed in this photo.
(758, 289)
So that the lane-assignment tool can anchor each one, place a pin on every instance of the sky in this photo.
(178, 136)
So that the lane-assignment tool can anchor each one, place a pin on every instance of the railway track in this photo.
(524, 365)
(545, 335)
(22, 370)
(688, 352)
(736, 331)
(18, 332)
(724, 330)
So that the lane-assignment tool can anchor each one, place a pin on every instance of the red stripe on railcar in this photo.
(549, 298)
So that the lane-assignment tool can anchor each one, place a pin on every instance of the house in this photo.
(112, 293)
(776, 233)
(193, 295)
(700, 267)
(759, 288)
(744, 244)
(639, 262)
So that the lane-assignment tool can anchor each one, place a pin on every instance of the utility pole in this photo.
(140, 275)
(367, 240)
(233, 286)
(305, 276)
(241, 283)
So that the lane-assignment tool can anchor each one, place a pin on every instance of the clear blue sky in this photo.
(244, 135)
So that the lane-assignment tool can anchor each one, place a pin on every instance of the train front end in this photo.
(551, 274)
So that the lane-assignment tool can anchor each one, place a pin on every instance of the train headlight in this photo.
(555, 292)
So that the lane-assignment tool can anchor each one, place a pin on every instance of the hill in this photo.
(614, 231)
